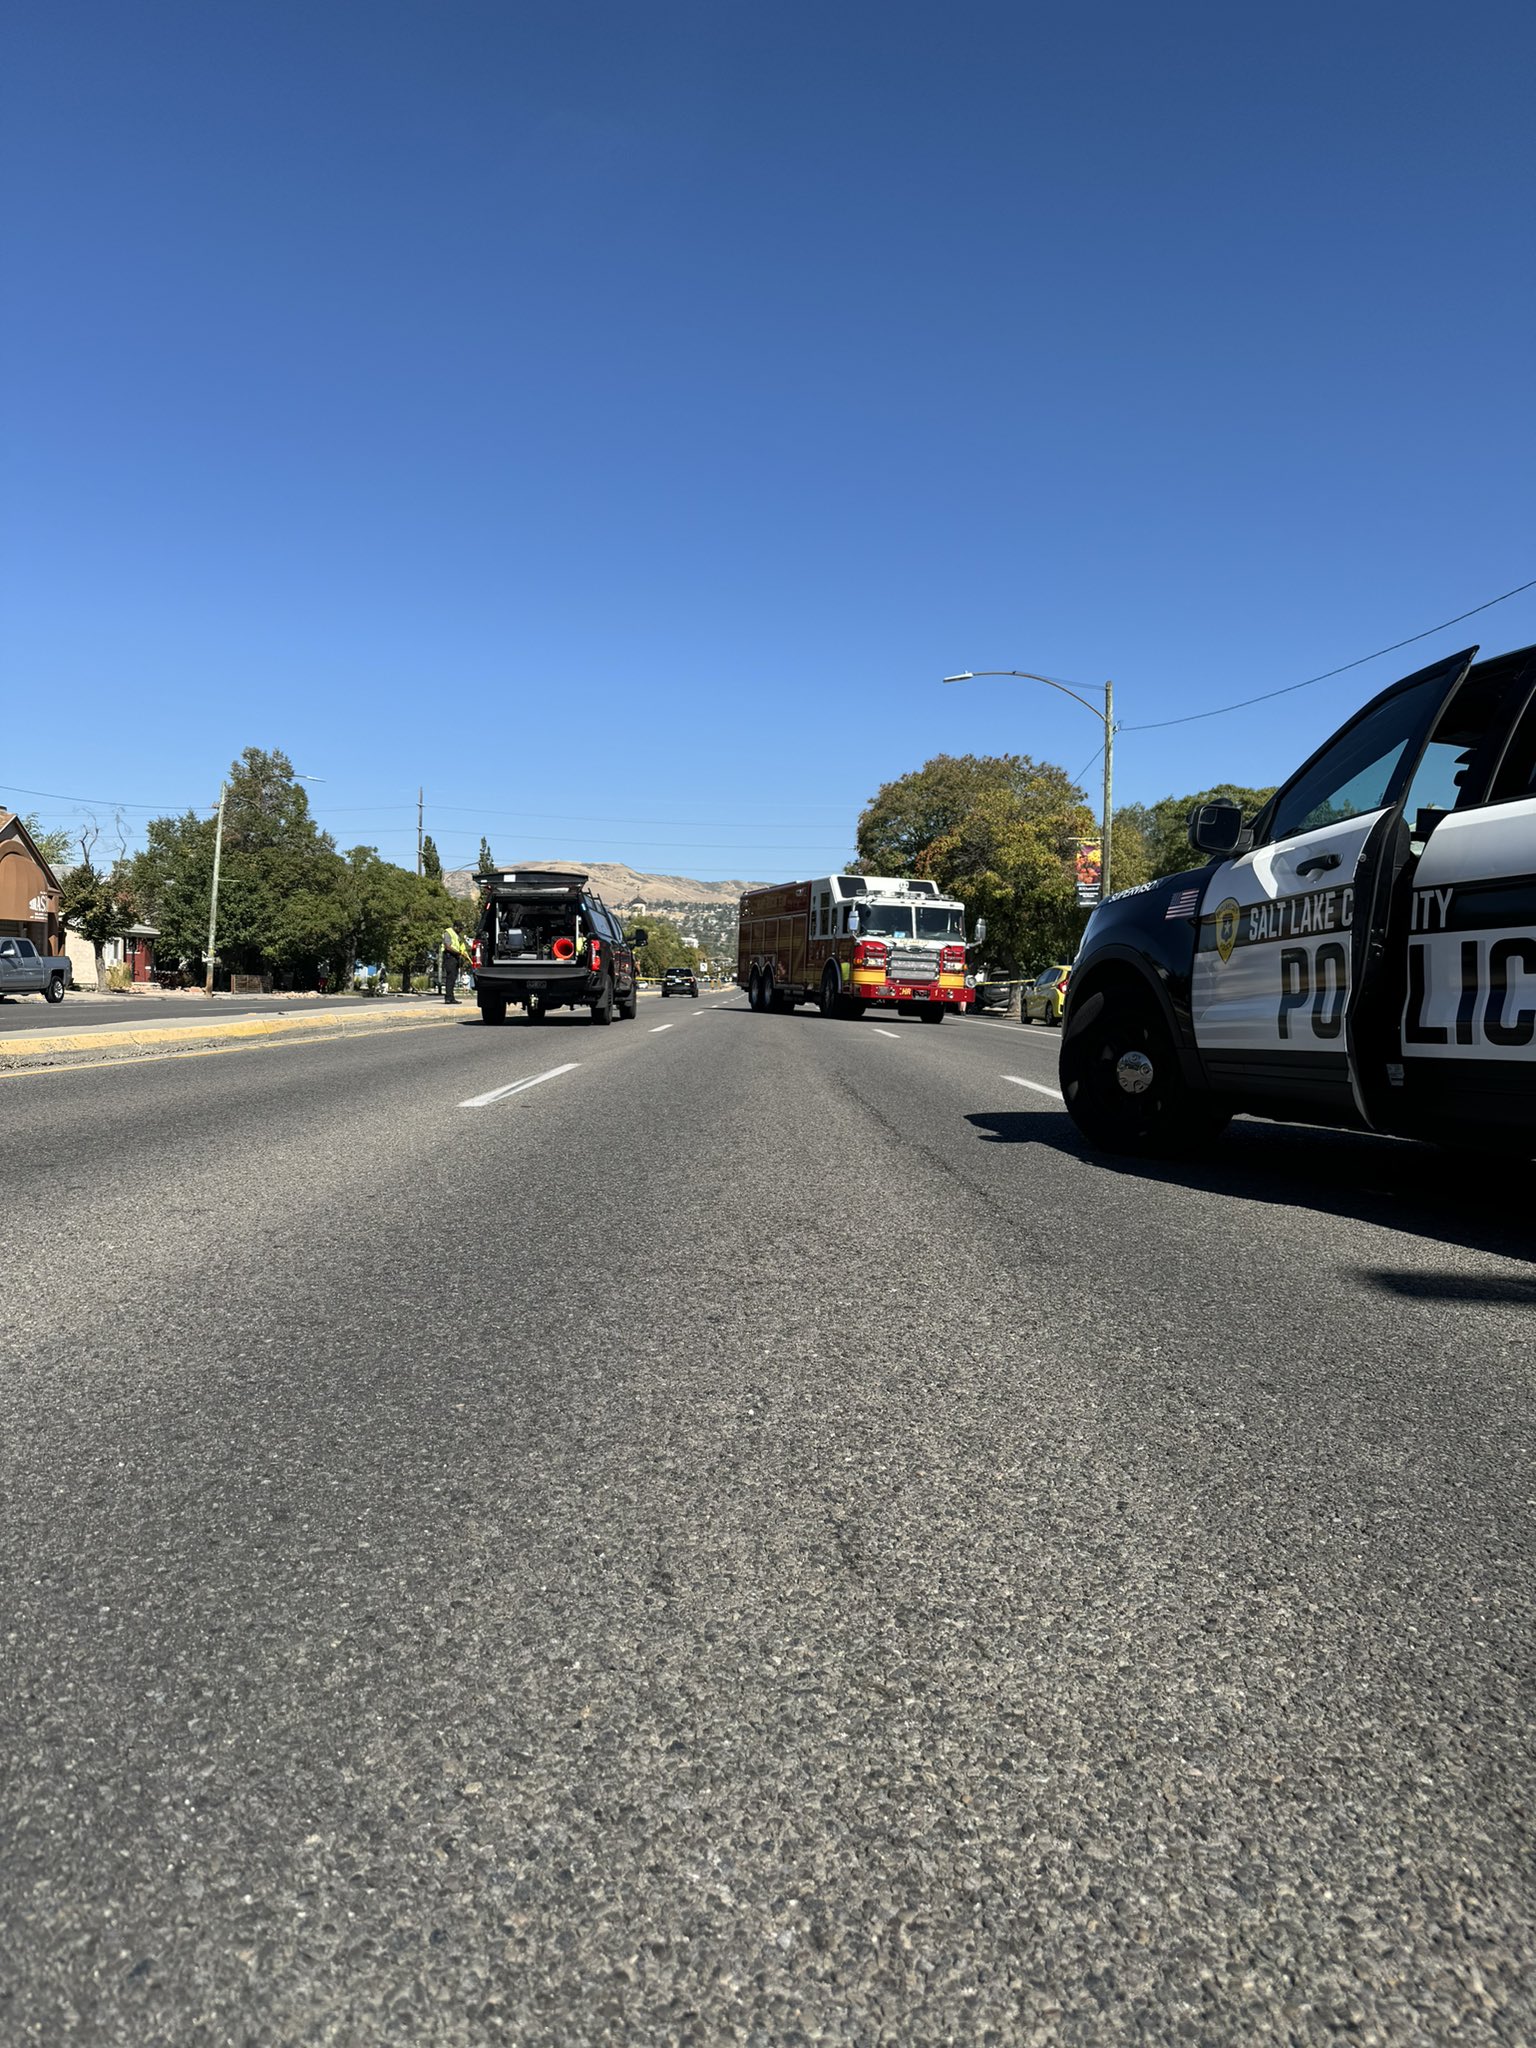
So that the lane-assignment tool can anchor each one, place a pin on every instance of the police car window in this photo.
(939, 924)
(1354, 775)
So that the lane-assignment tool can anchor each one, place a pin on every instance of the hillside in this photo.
(619, 885)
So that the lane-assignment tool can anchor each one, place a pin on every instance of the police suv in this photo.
(1363, 953)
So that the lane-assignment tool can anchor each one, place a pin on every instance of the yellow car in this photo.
(1046, 996)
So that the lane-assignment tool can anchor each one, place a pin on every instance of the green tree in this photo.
(53, 846)
(486, 864)
(664, 947)
(431, 860)
(1155, 837)
(999, 832)
(282, 885)
(98, 906)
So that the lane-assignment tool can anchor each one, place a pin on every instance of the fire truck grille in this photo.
(911, 966)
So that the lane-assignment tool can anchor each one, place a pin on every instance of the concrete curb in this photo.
(236, 1027)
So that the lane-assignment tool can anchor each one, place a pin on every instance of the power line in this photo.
(1190, 717)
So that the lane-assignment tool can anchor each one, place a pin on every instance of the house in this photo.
(136, 949)
(30, 900)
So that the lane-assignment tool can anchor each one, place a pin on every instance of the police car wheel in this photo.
(1122, 1081)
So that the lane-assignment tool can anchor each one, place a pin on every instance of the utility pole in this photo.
(213, 900)
(418, 828)
(1109, 783)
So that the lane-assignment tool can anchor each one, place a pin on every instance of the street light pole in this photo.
(213, 900)
(1106, 718)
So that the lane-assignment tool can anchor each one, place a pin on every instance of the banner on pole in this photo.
(1090, 870)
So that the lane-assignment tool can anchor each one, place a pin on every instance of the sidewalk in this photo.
(109, 1036)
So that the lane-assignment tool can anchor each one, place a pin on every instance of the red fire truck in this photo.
(850, 940)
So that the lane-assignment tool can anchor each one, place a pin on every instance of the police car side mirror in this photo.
(1219, 829)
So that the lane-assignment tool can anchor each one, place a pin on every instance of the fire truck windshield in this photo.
(885, 920)
(940, 924)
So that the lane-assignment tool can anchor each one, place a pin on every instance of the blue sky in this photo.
(617, 419)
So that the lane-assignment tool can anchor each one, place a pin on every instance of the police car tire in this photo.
(1165, 1122)
(602, 1009)
(493, 1010)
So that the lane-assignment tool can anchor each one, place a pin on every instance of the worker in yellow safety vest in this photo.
(455, 961)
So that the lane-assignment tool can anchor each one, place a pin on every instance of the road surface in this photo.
(736, 1528)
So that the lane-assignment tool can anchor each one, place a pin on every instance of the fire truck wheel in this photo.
(754, 991)
(830, 1001)
(770, 1000)
(933, 1013)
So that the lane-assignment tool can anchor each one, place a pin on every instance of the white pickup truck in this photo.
(26, 972)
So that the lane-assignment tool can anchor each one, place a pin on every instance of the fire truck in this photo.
(847, 941)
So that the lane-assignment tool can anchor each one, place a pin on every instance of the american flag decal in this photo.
(1183, 904)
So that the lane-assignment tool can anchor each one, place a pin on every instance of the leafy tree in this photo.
(281, 883)
(431, 860)
(97, 905)
(486, 863)
(998, 831)
(53, 846)
(1153, 839)
(664, 947)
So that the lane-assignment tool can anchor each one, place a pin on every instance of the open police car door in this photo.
(1462, 923)
(1291, 970)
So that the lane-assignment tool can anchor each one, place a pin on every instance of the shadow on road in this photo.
(1483, 1204)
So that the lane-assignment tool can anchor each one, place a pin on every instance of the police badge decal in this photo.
(1228, 916)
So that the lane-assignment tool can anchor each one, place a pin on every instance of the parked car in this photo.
(25, 972)
(1046, 996)
(546, 942)
(679, 981)
(993, 995)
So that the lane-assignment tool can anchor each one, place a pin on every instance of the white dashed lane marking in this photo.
(517, 1087)
(1038, 1086)
(661, 1027)
(884, 1033)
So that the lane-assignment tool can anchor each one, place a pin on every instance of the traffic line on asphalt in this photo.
(518, 1087)
(1038, 1086)
(986, 1026)
(661, 1027)
(883, 1032)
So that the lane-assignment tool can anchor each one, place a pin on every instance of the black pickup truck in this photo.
(546, 942)
(1362, 953)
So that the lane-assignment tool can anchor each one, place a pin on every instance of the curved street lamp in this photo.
(1106, 718)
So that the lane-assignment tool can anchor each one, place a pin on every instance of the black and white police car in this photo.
(1362, 954)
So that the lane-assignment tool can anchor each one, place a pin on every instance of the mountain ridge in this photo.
(617, 883)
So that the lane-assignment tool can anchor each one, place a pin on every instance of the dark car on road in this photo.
(679, 981)
(993, 994)
(546, 942)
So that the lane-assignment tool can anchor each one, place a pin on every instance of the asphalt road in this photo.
(754, 1537)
